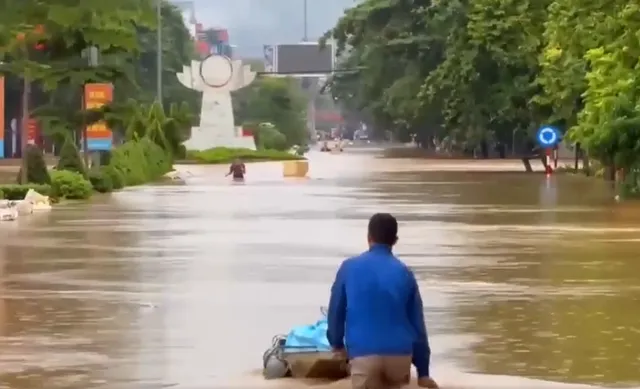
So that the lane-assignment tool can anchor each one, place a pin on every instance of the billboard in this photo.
(299, 60)
(99, 136)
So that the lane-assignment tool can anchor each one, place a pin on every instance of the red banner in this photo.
(33, 131)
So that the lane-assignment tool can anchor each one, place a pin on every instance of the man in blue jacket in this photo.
(375, 312)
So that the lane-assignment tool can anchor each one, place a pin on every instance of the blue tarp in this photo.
(308, 338)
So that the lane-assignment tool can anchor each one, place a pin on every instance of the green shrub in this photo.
(302, 150)
(272, 139)
(128, 159)
(70, 158)
(140, 161)
(158, 161)
(101, 180)
(105, 157)
(70, 185)
(37, 172)
(227, 155)
(17, 191)
(117, 180)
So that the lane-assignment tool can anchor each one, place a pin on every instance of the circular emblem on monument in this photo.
(216, 70)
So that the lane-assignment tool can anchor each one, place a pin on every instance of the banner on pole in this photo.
(99, 136)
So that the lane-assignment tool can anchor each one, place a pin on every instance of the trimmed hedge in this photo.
(133, 163)
(100, 180)
(64, 185)
(70, 185)
(140, 161)
(17, 191)
(116, 176)
(271, 139)
(227, 155)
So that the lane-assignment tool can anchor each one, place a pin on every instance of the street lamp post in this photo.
(305, 37)
(159, 49)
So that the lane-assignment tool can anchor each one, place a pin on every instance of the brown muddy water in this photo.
(184, 286)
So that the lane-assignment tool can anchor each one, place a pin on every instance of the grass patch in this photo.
(219, 155)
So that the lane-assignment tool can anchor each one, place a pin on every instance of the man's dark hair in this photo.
(383, 228)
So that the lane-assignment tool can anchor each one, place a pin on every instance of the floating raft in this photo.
(281, 361)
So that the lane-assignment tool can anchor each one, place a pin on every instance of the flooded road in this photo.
(184, 286)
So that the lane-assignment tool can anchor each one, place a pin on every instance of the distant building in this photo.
(207, 40)
(213, 41)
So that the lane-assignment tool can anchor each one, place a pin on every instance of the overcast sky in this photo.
(253, 23)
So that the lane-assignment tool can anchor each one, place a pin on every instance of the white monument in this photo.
(216, 77)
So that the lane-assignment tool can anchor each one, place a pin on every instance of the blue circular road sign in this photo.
(548, 136)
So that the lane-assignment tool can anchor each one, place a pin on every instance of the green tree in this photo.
(177, 51)
(38, 172)
(485, 81)
(177, 128)
(45, 41)
(590, 75)
(70, 158)
(476, 73)
(386, 49)
(279, 101)
(127, 59)
(427, 68)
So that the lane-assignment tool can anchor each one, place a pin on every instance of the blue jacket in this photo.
(376, 309)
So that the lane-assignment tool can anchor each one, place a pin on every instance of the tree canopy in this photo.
(279, 102)
(49, 42)
(488, 71)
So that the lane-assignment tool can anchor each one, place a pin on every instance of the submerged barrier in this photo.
(295, 168)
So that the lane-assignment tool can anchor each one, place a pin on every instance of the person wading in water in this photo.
(237, 169)
(376, 317)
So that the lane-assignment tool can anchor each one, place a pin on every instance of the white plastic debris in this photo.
(39, 202)
(7, 211)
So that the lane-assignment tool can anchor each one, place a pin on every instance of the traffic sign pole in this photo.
(548, 168)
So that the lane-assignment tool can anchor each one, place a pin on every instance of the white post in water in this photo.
(216, 77)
